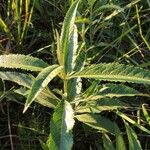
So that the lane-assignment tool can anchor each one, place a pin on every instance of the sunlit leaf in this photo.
(61, 127)
(41, 81)
(115, 72)
(68, 39)
(22, 62)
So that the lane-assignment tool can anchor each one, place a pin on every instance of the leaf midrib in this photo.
(115, 78)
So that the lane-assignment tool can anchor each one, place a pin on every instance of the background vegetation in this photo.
(109, 31)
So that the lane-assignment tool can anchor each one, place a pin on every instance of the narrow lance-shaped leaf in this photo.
(70, 63)
(122, 115)
(120, 143)
(115, 72)
(107, 143)
(46, 97)
(20, 78)
(106, 7)
(134, 143)
(61, 127)
(99, 105)
(75, 85)
(58, 50)
(42, 80)
(68, 42)
(22, 62)
(91, 89)
(68, 46)
(70, 56)
(5, 28)
(145, 112)
(118, 90)
(97, 122)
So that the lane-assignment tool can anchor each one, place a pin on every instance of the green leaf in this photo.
(20, 78)
(134, 143)
(58, 50)
(118, 90)
(38, 6)
(10, 96)
(73, 88)
(122, 115)
(42, 80)
(70, 55)
(107, 7)
(61, 127)
(80, 59)
(45, 98)
(75, 85)
(115, 72)
(68, 39)
(43, 145)
(146, 115)
(120, 144)
(5, 28)
(91, 89)
(107, 143)
(91, 2)
(22, 62)
(97, 122)
(99, 105)
(68, 46)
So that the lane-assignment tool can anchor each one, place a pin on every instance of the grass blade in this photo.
(5, 29)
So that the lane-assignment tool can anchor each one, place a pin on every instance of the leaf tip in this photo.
(25, 108)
